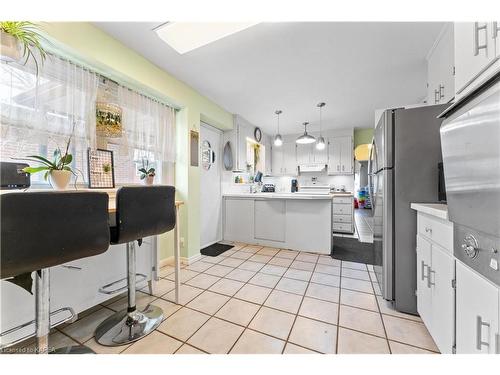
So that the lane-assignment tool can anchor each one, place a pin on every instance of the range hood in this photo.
(312, 167)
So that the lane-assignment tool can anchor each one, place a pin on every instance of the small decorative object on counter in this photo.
(147, 173)
(101, 169)
(57, 171)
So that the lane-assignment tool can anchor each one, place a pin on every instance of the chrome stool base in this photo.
(124, 327)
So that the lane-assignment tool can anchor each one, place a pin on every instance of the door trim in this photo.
(220, 235)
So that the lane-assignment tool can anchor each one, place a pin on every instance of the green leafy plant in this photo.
(60, 162)
(106, 168)
(28, 35)
(145, 170)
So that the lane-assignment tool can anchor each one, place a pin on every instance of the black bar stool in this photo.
(141, 211)
(40, 230)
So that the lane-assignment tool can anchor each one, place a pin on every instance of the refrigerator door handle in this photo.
(371, 174)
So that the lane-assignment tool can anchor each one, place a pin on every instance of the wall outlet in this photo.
(182, 241)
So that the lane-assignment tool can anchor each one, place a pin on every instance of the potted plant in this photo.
(147, 174)
(19, 40)
(58, 171)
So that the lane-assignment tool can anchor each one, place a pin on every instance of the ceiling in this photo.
(355, 67)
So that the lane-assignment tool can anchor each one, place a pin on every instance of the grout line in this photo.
(338, 311)
(261, 305)
(300, 306)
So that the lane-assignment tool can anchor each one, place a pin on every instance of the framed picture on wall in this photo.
(101, 169)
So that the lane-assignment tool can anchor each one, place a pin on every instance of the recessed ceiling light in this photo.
(187, 36)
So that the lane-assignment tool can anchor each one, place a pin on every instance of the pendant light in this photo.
(305, 138)
(278, 141)
(320, 145)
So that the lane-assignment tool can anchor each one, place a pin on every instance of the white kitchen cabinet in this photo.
(441, 275)
(340, 150)
(239, 220)
(476, 54)
(477, 313)
(435, 275)
(305, 154)
(424, 294)
(308, 154)
(440, 68)
(320, 156)
(284, 160)
(270, 220)
(343, 214)
(291, 222)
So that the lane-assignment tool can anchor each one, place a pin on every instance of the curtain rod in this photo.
(104, 78)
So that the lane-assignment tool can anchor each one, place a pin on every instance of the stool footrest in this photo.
(140, 277)
(72, 317)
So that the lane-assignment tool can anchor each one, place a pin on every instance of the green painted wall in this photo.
(90, 45)
(362, 136)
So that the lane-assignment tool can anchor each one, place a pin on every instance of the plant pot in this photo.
(10, 48)
(148, 180)
(60, 179)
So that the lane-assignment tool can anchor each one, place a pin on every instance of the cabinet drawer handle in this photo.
(428, 230)
(422, 271)
(479, 333)
(436, 96)
(497, 339)
(441, 92)
(495, 30)
(478, 46)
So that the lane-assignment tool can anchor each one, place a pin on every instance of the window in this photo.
(39, 114)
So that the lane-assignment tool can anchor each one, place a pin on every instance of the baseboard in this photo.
(184, 261)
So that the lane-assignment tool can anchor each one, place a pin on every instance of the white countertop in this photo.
(286, 195)
(439, 210)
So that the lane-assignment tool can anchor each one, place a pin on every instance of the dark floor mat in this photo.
(215, 249)
(350, 249)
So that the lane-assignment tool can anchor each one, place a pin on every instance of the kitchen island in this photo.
(285, 220)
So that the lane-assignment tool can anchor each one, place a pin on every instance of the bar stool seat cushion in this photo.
(45, 229)
(143, 211)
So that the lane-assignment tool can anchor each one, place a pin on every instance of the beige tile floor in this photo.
(255, 299)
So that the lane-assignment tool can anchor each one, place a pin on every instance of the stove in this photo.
(478, 250)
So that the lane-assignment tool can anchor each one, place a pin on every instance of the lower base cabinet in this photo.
(435, 292)
(477, 309)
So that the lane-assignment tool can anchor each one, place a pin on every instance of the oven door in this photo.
(470, 139)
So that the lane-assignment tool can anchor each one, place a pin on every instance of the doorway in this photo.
(210, 185)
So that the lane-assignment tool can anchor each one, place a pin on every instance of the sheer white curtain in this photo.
(40, 113)
(149, 126)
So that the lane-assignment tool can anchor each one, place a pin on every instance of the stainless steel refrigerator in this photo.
(403, 168)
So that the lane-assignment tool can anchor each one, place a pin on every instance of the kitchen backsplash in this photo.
(283, 183)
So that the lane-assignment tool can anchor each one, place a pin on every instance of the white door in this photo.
(477, 313)
(334, 152)
(424, 296)
(346, 155)
(442, 307)
(289, 159)
(210, 186)
(277, 160)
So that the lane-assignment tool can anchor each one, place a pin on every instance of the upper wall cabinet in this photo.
(440, 68)
(477, 54)
(284, 159)
(340, 152)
